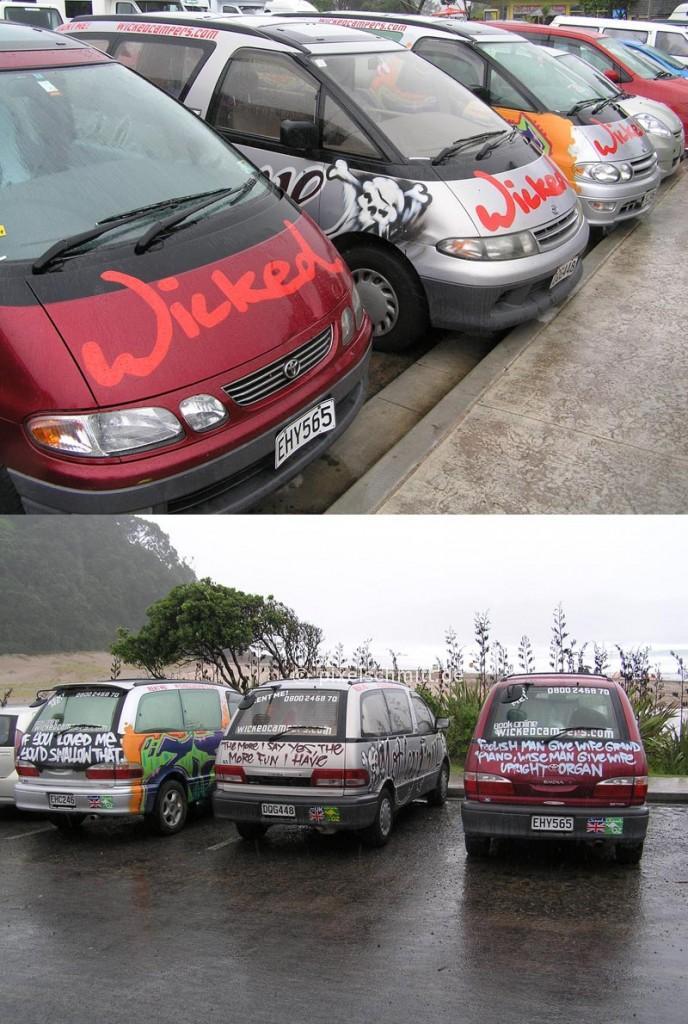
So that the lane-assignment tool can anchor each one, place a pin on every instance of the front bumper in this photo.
(511, 821)
(619, 201)
(317, 809)
(231, 483)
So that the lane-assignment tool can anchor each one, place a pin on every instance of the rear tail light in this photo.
(27, 770)
(617, 789)
(114, 772)
(485, 785)
(342, 778)
(640, 785)
(229, 773)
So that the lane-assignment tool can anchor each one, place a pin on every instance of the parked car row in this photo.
(553, 755)
(199, 331)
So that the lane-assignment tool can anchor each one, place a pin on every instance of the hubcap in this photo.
(379, 298)
(385, 817)
(172, 808)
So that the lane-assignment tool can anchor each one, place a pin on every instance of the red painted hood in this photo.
(138, 338)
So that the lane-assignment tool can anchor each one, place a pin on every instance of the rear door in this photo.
(431, 746)
(405, 744)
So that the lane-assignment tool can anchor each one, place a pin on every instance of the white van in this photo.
(679, 13)
(41, 15)
(671, 39)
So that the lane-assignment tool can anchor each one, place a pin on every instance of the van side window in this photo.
(639, 35)
(672, 42)
(201, 709)
(233, 701)
(424, 716)
(160, 712)
(399, 710)
(462, 64)
(374, 715)
(258, 91)
(341, 134)
(7, 726)
(168, 63)
(503, 93)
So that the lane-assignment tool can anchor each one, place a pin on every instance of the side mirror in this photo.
(612, 75)
(442, 724)
(513, 692)
(299, 135)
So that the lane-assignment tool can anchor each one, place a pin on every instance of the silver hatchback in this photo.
(329, 754)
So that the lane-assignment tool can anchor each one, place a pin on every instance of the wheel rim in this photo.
(172, 808)
(385, 816)
(379, 298)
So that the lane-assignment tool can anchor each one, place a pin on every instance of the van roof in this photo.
(332, 683)
(129, 684)
(466, 29)
(16, 36)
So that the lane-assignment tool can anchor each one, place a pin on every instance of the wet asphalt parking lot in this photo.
(112, 924)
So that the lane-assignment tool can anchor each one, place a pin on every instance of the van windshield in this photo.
(595, 79)
(295, 712)
(418, 107)
(92, 707)
(81, 145)
(542, 74)
(43, 17)
(641, 66)
(547, 711)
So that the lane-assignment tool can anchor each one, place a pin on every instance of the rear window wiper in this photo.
(291, 728)
(459, 144)
(167, 223)
(575, 728)
(66, 245)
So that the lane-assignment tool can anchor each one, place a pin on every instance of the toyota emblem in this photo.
(292, 369)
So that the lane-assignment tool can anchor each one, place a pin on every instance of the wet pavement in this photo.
(113, 924)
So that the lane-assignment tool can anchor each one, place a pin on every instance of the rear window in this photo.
(300, 712)
(7, 725)
(90, 708)
(547, 711)
(39, 16)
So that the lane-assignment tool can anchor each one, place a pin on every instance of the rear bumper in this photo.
(233, 482)
(514, 821)
(95, 800)
(319, 809)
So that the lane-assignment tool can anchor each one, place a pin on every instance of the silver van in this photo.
(13, 720)
(126, 747)
(444, 212)
(330, 754)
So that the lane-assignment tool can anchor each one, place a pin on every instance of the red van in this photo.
(175, 336)
(630, 70)
(556, 756)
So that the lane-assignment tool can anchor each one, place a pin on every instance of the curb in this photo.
(390, 472)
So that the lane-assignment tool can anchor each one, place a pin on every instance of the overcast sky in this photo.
(402, 580)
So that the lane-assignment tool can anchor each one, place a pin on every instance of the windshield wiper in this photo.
(489, 146)
(454, 147)
(664, 74)
(167, 223)
(573, 728)
(602, 104)
(291, 728)
(581, 105)
(66, 245)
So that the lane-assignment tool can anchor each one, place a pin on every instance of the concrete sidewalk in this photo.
(663, 789)
(584, 413)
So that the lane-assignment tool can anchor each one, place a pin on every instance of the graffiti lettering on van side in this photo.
(400, 760)
(619, 135)
(280, 278)
(300, 186)
(526, 199)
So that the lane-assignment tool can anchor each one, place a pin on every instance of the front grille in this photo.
(643, 165)
(557, 231)
(272, 378)
(632, 205)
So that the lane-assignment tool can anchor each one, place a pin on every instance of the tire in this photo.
(629, 853)
(477, 846)
(10, 502)
(250, 829)
(379, 832)
(66, 822)
(171, 809)
(392, 295)
(438, 796)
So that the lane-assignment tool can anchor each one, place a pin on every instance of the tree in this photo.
(294, 645)
(201, 621)
(526, 659)
(481, 631)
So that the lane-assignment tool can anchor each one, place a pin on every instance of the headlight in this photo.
(500, 247)
(100, 434)
(652, 124)
(357, 307)
(604, 173)
(202, 412)
(347, 326)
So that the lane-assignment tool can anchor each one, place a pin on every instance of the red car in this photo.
(174, 334)
(557, 756)
(621, 65)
